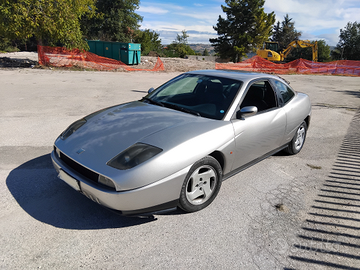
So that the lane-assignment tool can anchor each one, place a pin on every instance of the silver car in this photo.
(175, 146)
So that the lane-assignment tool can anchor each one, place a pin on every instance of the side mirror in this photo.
(246, 111)
(150, 90)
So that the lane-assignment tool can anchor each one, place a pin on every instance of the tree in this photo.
(323, 51)
(244, 29)
(180, 46)
(149, 41)
(277, 32)
(115, 20)
(285, 33)
(205, 53)
(348, 47)
(182, 39)
(51, 22)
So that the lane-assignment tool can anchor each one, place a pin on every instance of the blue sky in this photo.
(316, 19)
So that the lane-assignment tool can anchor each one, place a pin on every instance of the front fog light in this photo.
(106, 181)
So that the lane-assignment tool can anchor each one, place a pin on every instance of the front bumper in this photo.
(160, 195)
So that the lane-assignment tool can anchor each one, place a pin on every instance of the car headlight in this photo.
(133, 156)
(72, 128)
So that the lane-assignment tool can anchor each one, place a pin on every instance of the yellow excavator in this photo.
(270, 50)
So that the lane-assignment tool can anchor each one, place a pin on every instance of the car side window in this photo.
(261, 95)
(286, 93)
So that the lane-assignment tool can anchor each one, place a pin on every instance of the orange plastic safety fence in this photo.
(61, 57)
(299, 66)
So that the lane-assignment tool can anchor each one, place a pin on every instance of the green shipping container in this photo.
(128, 53)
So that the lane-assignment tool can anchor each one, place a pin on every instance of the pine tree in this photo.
(285, 33)
(244, 29)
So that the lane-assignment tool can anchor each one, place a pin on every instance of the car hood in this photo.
(113, 130)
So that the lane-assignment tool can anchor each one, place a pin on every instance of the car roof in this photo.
(244, 76)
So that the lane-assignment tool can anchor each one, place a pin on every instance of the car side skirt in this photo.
(236, 171)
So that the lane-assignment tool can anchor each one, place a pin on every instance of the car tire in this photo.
(201, 185)
(297, 143)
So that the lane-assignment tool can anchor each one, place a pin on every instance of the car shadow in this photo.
(138, 91)
(39, 192)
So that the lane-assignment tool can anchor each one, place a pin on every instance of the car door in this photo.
(285, 96)
(259, 134)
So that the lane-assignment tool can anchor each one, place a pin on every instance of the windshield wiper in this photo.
(153, 101)
(179, 108)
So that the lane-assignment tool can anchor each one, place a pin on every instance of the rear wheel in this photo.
(298, 141)
(202, 184)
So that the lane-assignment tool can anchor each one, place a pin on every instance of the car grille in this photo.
(79, 168)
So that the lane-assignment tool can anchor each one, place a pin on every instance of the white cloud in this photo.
(152, 10)
(330, 39)
(159, 5)
(322, 19)
(198, 21)
(198, 33)
(209, 17)
(201, 38)
(168, 37)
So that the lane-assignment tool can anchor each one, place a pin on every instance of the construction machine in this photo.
(270, 50)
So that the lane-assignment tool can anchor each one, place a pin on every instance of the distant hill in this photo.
(199, 48)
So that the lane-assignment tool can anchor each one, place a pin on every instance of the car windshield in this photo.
(201, 95)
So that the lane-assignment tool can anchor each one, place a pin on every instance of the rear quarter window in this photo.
(286, 93)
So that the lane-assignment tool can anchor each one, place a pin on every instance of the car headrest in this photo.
(214, 87)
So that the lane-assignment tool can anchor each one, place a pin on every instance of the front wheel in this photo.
(297, 143)
(201, 185)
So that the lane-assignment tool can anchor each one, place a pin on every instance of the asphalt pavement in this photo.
(286, 212)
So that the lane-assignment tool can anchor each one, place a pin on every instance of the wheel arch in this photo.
(219, 157)
(307, 121)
